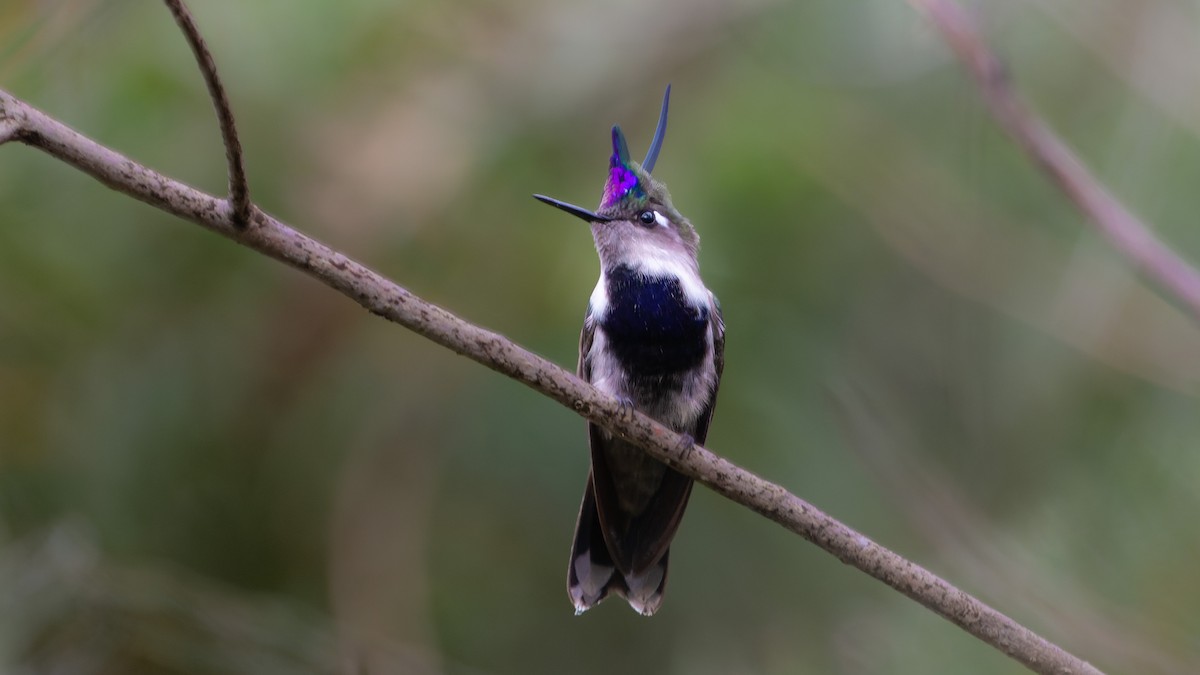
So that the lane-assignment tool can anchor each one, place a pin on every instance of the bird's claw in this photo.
(625, 408)
(686, 444)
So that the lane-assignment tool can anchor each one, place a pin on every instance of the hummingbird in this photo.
(654, 339)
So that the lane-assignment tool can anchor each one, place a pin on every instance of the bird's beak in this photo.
(577, 211)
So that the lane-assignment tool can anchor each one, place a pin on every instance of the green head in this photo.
(633, 204)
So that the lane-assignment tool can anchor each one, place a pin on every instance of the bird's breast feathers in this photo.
(652, 340)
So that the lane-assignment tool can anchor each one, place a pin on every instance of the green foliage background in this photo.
(211, 464)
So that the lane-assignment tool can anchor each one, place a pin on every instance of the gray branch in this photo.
(239, 186)
(1132, 238)
(239, 220)
(385, 298)
(8, 130)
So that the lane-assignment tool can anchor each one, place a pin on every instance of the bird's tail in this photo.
(592, 575)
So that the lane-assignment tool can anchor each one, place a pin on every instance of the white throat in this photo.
(653, 261)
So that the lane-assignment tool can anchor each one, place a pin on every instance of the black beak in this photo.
(577, 211)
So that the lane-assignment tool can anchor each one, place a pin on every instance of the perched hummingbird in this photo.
(654, 339)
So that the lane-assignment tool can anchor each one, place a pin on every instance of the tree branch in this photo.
(239, 187)
(380, 296)
(8, 130)
(1130, 236)
(238, 220)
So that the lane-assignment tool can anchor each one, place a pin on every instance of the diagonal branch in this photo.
(8, 130)
(239, 187)
(1129, 235)
(380, 296)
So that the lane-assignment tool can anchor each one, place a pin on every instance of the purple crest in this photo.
(621, 178)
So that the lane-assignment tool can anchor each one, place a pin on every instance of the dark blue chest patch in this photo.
(651, 326)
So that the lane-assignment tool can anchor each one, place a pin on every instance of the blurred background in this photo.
(211, 464)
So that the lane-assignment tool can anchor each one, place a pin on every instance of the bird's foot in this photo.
(625, 408)
(686, 444)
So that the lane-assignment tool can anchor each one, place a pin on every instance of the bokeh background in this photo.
(212, 464)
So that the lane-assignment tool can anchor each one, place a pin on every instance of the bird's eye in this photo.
(647, 217)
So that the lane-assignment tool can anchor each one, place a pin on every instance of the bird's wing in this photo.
(584, 368)
(637, 541)
(717, 323)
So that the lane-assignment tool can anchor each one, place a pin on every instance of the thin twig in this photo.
(1129, 235)
(394, 303)
(239, 187)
